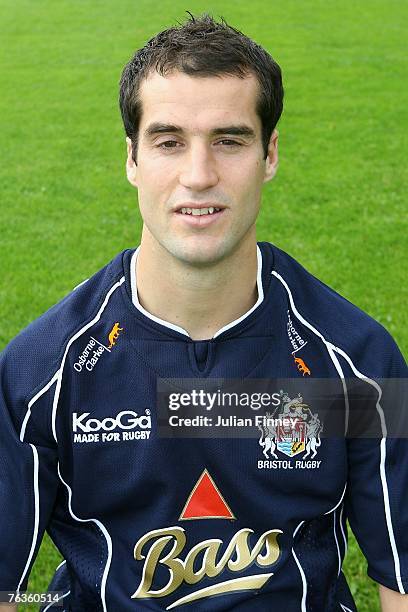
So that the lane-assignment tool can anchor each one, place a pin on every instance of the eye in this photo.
(168, 144)
(229, 142)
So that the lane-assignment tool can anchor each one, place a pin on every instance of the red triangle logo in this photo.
(205, 501)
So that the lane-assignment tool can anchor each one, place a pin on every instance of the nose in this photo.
(198, 170)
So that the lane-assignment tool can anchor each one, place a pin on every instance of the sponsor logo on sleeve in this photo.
(94, 350)
(114, 335)
(295, 338)
(297, 343)
(302, 367)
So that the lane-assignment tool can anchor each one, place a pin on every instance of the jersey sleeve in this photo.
(28, 469)
(29, 368)
(377, 492)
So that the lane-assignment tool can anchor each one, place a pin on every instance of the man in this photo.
(148, 522)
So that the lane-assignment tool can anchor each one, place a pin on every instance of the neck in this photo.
(201, 300)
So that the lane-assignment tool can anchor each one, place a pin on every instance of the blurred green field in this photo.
(338, 203)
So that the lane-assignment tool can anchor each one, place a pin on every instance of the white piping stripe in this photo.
(302, 574)
(105, 533)
(136, 302)
(258, 301)
(299, 316)
(55, 404)
(72, 339)
(60, 565)
(32, 401)
(330, 347)
(371, 382)
(388, 517)
(42, 391)
(53, 602)
(337, 544)
(342, 531)
(135, 299)
(383, 476)
(338, 503)
(297, 529)
(80, 284)
(345, 608)
(383, 449)
(343, 382)
(58, 377)
(36, 517)
(304, 582)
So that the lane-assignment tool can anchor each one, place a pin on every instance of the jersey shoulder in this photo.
(339, 321)
(36, 352)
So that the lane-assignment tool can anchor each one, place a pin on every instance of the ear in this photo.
(271, 162)
(131, 167)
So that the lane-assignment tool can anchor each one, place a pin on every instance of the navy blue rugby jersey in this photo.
(146, 522)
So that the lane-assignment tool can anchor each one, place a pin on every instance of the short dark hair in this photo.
(202, 47)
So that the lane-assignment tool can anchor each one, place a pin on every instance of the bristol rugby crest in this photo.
(299, 432)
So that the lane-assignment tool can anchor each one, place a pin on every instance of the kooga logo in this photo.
(127, 419)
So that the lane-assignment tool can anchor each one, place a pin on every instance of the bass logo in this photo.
(167, 548)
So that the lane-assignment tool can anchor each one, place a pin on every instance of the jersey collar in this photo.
(177, 328)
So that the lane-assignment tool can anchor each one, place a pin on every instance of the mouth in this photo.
(197, 212)
(199, 215)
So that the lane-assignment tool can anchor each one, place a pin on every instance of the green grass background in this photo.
(338, 201)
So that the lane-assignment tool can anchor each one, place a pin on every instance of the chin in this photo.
(200, 254)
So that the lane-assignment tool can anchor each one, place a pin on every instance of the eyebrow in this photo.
(233, 130)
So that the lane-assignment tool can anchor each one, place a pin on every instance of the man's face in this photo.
(200, 150)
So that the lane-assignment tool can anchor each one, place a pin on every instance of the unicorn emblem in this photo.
(267, 440)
